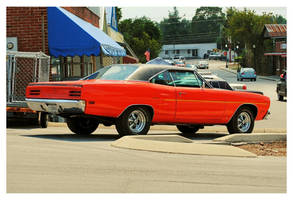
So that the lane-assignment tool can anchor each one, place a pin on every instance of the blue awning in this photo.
(68, 35)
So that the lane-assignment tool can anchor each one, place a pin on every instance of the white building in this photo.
(186, 50)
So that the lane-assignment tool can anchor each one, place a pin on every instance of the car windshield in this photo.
(116, 72)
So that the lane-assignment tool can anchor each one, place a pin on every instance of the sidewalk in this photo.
(270, 78)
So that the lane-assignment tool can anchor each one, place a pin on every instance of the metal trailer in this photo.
(21, 69)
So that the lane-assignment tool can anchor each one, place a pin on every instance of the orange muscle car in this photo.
(134, 97)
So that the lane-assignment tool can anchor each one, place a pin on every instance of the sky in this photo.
(159, 13)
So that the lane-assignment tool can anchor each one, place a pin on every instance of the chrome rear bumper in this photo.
(267, 115)
(57, 106)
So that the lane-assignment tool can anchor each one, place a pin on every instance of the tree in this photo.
(142, 34)
(279, 19)
(208, 22)
(174, 29)
(245, 27)
(118, 14)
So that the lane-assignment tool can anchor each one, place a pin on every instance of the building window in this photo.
(188, 51)
(177, 51)
(166, 52)
(194, 52)
(71, 68)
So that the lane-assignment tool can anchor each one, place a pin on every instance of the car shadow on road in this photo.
(77, 138)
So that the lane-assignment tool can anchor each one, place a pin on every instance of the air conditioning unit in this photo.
(11, 43)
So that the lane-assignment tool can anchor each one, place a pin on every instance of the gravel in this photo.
(266, 149)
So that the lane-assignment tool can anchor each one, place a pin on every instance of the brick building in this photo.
(70, 35)
(276, 57)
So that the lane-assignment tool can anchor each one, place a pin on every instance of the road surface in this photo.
(54, 160)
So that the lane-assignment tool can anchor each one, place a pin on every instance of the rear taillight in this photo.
(255, 73)
(242, 73)
(74, 93)
(244, 87)
(282, 76)
(34, 92)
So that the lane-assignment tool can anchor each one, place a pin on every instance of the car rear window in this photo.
(115, 72)
(247, 69)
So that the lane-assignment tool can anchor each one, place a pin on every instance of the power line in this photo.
(192, 22)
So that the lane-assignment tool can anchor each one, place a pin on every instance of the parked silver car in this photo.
(203, 64)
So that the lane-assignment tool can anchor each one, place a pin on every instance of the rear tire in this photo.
(280, 97)
(134, 121)
(187, 130)
(241, 122)
(82, 126)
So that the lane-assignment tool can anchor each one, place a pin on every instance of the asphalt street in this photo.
(54, 160)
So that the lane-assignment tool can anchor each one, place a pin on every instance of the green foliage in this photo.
(206, 26)
(207, 20)
(245, 27)
(279, 19)
(141, 34)
(118, 14)
(174, 28)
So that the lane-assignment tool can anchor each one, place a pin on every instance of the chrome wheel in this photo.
(243, 122)
(136, 121)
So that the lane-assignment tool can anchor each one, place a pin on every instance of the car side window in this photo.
(163, 78)
(186, 79)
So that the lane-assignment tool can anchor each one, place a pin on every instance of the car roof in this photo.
(146, 71)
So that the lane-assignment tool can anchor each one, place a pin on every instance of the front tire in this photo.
(134, 121)
(82, 126)
(187, 130)
(241, 122)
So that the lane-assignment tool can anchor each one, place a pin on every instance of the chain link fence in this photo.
(23, 68)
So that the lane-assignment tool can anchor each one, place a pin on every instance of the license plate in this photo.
(52, 109)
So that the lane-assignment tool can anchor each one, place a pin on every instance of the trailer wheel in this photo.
(44, 118)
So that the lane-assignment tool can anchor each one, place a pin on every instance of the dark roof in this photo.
(275, 30)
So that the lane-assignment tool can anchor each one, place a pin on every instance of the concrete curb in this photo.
(252, 138)
(179, 145)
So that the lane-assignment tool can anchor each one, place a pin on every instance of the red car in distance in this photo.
(134, 97)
